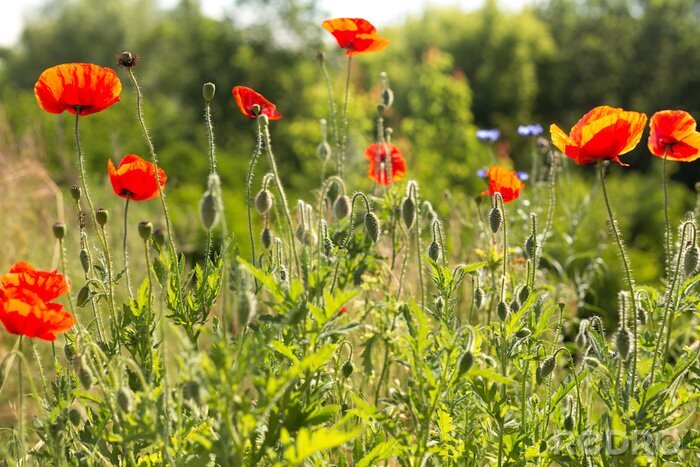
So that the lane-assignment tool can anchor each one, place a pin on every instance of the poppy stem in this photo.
(20, 415)
(126, 251)
(499, 203)
(343, 153)
(419, 252)
(625, 262)
(110, 280)
(249, 188)
(350, 233)
(331, 103)
(81, 166)
(668, 235)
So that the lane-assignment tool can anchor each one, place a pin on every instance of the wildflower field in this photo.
(372, 320)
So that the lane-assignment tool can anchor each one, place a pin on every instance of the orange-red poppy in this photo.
(604, 133)
(673, 135)
(355, 35)
(246, 98)
(77, 85)
(135, 178)
(25, 307)
(380, 155)
(505, 182)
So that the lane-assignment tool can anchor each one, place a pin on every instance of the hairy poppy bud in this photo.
(246, 308)
(530, 247)
(479, 296)
(266, 238)
(127, 59)
(83, 296)
(256, 109)
(524, 294)
(515, 305)
(341, 207)
(324, 151)
(623, 340)
(372, 226)
(85, 376)
(641, 316)
(102, 215)
(568, 423)
(145, 230)
(387, 98)
(69, 350)
(523, 333)
(495, 219)
(208, 91)
(439, 303)
(502, 311)
(327, 246)
(263, 201)
(85, 260)
(75, 192)
(408, 212)
(159, 237)
(124, 399)
(209, 210)
(347, 369)
(591, 362)
(59, 230)
(75, 416)
(300, 233)
(465, 362)
(690, 260)
(434, 251)
(547, 367)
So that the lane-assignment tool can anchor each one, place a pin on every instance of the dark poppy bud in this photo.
(263, 201)
(102, 215)
(568, 423)
(159, 237)
(465, 362)
(538, 376)
(439, 303)
(75, 192)
(85, 260)
(495, 219)
(515, 305)
(523, 333)
(127, 59)
(192, 390)
(124, 399)
(547, 366)
(408, 212)
(208, 91)
(372, 226)
(266, 238)
(327, 246)
(83, 296)
(320, 56)
(300, 233)
(209, 210)
(690, 260)
(85, 377)
(530, 247)
(145, 230)
(623, 340)
(59, 230)
(341, 207)
(502, 311)
(642, 316)
(347, 369)
(75, 416)
(591, 362)
(69, 350)
(479, 296)
(434, 251)
(324, 151)
(524, 294)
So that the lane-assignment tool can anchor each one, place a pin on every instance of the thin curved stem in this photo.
(343, 153)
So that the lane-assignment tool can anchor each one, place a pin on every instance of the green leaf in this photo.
(381, 452)
(309, 442)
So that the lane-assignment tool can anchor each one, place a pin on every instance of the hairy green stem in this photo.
(668, 235)
(344, 143)
(125, 251)
(331, 104)
(350, 233)
(249, 189)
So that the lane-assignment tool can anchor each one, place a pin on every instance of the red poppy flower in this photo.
(604, 133)
(673, 135)
(25, 313)
(505, 182)
(44, 284)
(246, 98)
(135, 178)
(377, 155)
(73, 85)
(355, 35)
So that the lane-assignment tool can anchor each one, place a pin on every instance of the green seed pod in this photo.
(69, 350)
(523, 333)
(538, 376)
(341, 207)
(245, 311)
(59, 230)
(372, 226)
(159, 237)
(209, 210)
(85, 376)
(263, 201)
(145, 230)
(75, 192)
(327, 246)
(266, 238)
(568, 423)
(530, 247)
(408, 212)
(75, 416)
(85, 260)
(495, 219)
(434, 251)
(524, 294)
(208, 91)
(623, 340)
(502, 311)
(83, 296)
(690, 260)
(124, 399)
(324, 151)
(347, 369)
(479, 296)
(547, 366)
(102, 215)
(465, 362)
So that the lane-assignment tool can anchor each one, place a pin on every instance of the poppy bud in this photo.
(547, 367)
(127, 59)
(523, 333)
(208, 91)
(263, 201)
(568, 423)
(479, 295)
(324, 151)
(341, 207)
(530, 247)
(124, 399)
(69, 350)
(256, 109)
(102, 215)
(75, 192)
(515, 305)
(641, 316)
(320, 56)
(75, 416)
(85, 260)
(59, 230)
(246, 308)
(495, 219)
(300, 233)
(372, 226)
(159, 237)
(465, 362)
(266, 238)
(434, 251)
(502, 311)
(543, 145)
(524, 294)
(145, 230)
(387, 98)
(192, 390)
(408, 212)
(690, 260)
(591, 362)
(623, 340)
(347, 369)
(85, 376)
(83, 296)
(209, 210)
(327, 246)
(439, 303)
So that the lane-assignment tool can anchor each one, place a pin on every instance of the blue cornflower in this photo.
(488, 135)
(530, 130)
